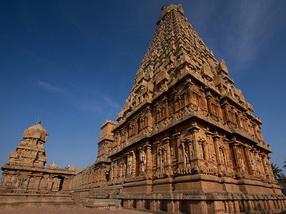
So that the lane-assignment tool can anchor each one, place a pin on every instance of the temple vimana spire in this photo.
(186, 140)
(25, 172)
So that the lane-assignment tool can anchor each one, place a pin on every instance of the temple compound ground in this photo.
(186, 141)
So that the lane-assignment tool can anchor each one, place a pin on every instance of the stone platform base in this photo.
(73, 209)
(103, 204)
(205, 203)
(17, 199)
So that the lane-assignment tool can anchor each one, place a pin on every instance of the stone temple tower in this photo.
(25, 172)
(186, 140)
(31, 150)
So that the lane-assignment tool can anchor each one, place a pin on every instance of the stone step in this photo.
(100, 195)
(109, 204)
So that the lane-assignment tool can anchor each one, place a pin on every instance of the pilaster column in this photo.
(248, 159)
(169, 162)
(158, 157)
(216, 140)
(150, 120)
(264, 166)
(237, 157)
(166, 106)
(176, 146)
(208, 99)
(194, 130)
(115, 170)
(39, 182)
(111, 172)
(149, 161)
(182, 153)
(133, 163)
(236, 207)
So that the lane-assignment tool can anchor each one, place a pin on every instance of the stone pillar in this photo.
(248, 160)
(237, 157)
(284, 203)
(131, 204)
(218, 207)
(265, 167)
(133, 163)
(152, 206)
(208, 99)
(231, 206)
(245, 206)
(140, 204)
(216, 140)
(196, 145)
(189, 85)
(166, 106)
(176, 157)
(169, 162)
(250, 205)
(272, 179)
(155, 205)
(37, 185)
(236, 207)
(111, 172)
(158, 157)
(149, 161)
(182, 157)
(174, 207)
(150, 120)
(194, 130)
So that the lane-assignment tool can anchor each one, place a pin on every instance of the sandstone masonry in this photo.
(186, 140)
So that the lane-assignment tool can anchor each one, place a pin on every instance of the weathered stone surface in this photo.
(186, 139)
(25, 176)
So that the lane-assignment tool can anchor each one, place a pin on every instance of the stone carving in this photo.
(131, 163)
(186, 141)
(142, 161)
(25, 170)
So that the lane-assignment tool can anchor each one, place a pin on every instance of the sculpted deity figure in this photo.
(160, 159)
(142, 161)
(187, 155)
(240, 160)
(187, 152)
(129, 164)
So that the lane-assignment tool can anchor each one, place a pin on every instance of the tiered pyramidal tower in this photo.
(186, 140)
(25, 174)
(31, 150)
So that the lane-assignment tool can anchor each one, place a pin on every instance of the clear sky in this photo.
(71, 64)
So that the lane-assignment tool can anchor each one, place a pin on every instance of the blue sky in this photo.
(72, 63)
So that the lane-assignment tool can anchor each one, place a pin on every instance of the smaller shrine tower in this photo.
(25, 172)
(31, 150)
